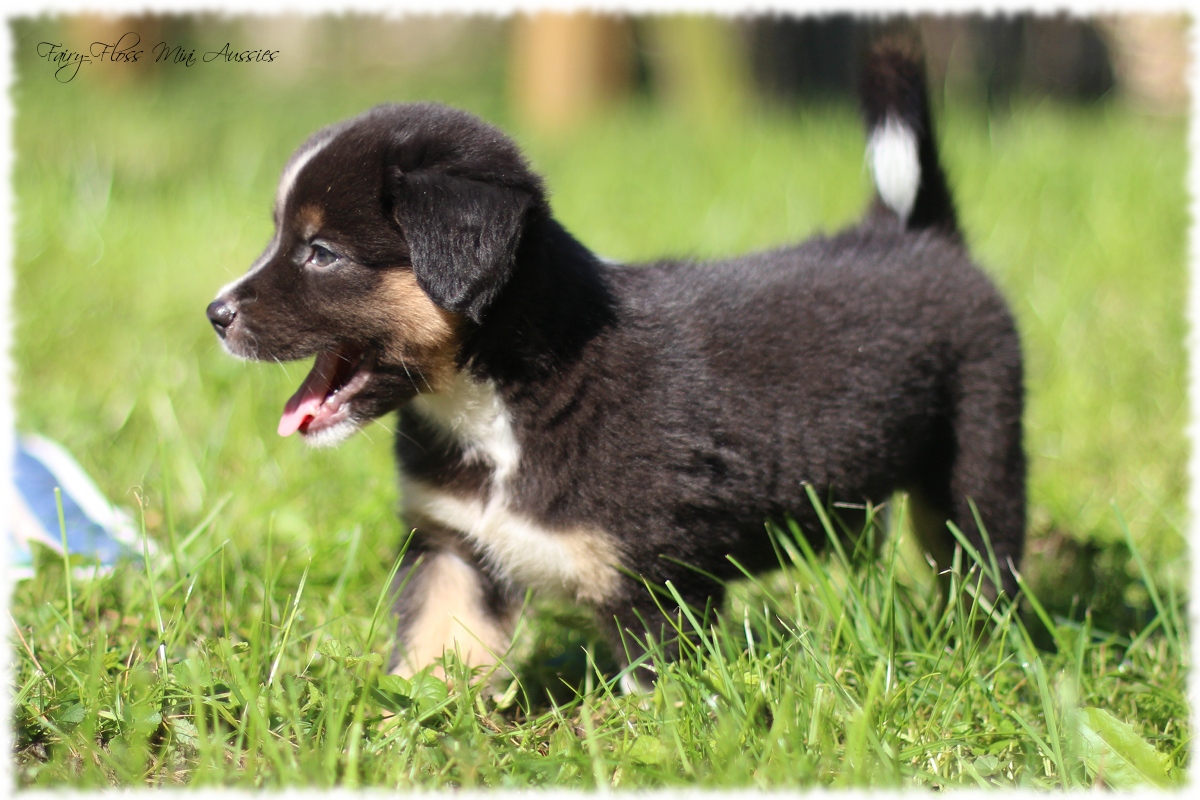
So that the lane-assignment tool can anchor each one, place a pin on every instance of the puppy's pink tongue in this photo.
(306, 403)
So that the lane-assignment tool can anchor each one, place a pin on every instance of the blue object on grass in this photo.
(95, 529)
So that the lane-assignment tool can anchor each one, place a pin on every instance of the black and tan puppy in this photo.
(567, 423)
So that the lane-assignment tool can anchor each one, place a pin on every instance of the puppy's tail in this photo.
(901, 150)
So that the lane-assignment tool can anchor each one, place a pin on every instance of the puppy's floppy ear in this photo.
(462, 235)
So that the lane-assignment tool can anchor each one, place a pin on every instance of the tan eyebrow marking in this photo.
(310, 218)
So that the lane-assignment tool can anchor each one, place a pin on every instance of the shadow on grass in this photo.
(1073, 578)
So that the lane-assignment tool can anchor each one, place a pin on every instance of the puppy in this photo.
(578, 427)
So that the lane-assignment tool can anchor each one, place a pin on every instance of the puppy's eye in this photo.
(321, 256)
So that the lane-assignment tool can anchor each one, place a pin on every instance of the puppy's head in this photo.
(393, 232)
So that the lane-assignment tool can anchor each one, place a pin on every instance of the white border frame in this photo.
(503, 7)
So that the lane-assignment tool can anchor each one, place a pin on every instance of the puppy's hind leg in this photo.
(985, 469)
(449, 603)
(989, 469)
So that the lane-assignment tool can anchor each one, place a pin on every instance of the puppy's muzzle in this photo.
(221, 315)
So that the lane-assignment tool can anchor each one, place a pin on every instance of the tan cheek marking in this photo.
(423, 334)
(451, 618)
(310, 218)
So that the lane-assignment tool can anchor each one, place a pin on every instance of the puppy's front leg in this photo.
(449, 603)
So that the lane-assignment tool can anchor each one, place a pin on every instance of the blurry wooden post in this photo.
(948, 57)
(300, 41)
(566, 67)
(83, 30)
(699, 65)
(1150, 56)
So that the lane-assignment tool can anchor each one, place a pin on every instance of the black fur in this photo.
(462, 216)
(673, 406)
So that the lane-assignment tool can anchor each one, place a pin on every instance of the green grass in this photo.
(135, 202)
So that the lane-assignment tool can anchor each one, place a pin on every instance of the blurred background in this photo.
(555, 70)
(143, 187)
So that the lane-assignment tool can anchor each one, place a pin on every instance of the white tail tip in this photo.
(895, 165)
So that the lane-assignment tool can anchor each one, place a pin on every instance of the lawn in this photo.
(247, 651)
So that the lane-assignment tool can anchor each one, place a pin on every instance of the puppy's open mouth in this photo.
(323, 400)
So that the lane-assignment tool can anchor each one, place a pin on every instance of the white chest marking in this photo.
(473, 414)
(575, 563)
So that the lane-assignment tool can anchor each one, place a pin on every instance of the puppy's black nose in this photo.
(221, 315)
